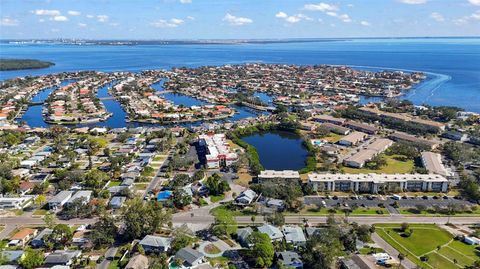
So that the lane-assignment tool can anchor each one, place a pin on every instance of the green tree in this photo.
(322, 248)
(262, 249)
(32, 258)
(95, 179)
(49, 219)
(103, 232)
(142, 219)
(181, 198)
(216, 185)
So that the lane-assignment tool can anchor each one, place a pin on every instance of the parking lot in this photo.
(375, 201)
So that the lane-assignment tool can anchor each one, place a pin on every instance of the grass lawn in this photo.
(431, 213)
(159, 158)
(114, 183)
(141, 186)
(202, 202)
(424, 242)
(222, 262)
(40, 212)
(216, 198)
(212, 249)
(393, 166)
(332, 137)
(243, 178)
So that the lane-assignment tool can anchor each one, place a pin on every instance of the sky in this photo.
(236, 19)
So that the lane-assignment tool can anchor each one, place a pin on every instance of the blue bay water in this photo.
(452, 64)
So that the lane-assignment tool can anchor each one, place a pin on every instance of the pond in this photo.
(182, 99)
(279, 150)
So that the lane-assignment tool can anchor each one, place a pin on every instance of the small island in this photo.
(19, 64)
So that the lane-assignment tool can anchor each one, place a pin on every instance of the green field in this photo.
(424, 242)
(393, 167)
(357, 212)
(431, 213)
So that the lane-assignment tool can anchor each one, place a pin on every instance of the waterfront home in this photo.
(373, 183)
(433, 163)
(157, 244)
(294, 235)
(273, 232)
(353, 139)
(62, 257)
(284, 174)
(289, 259)
(59, 199)
(243, 236)
(190, 257)
(22, 237)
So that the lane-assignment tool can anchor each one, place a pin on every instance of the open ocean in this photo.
(452, 64)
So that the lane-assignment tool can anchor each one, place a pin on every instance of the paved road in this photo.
(109, 255)
(406, 263)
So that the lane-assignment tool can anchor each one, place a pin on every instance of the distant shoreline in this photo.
(23, 64)
(238, 41)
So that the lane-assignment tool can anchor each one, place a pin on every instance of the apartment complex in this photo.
(374, 183)
(217, 150)
(359, 159)
(284, 174)
(433, 163)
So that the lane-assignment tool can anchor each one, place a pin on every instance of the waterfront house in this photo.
(156, 244)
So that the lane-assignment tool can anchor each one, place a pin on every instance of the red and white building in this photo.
(218, 153)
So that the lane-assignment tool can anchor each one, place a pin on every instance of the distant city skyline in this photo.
(228, 19)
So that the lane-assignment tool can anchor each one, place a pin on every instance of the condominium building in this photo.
(433, 163)
(374, 183)
(284, 174)
(217, 150)
(359, 159)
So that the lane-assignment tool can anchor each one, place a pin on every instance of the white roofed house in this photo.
(59, 199)
(273, 232)
(246, 197)
(272, 174)
(157, 244)
(85, 195)
(294, 235)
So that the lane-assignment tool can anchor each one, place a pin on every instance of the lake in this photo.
(279, 150)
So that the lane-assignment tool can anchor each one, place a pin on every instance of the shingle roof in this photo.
(188, 255)
(155, 241)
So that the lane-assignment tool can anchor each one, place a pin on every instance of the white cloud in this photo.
(437, 16)
(82, 25)
(292, 19)
(474, 2)
(191, 18)
(237, 21)
(74, 13)
(365, 23)
(331, 13)
(345, 18)
(320, 7)
(475, 16)
(466, 19)
(8, 22)
(281, 15)
(90, 16)
(185, 1)
(46, 12)
(172, 23)
(102, 18)
(59, 18)
(413, 2)
(305, 17)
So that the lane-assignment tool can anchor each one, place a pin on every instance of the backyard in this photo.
(393, 166)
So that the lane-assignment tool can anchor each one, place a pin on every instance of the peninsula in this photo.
(19, 64)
